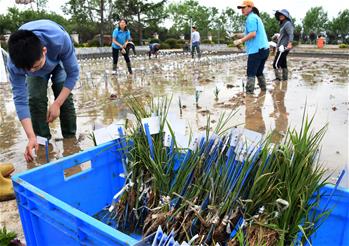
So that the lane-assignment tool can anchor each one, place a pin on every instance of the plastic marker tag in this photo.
(158, 236)
(199, 88)
(194, 144)
(245, 142)
(41, 140)
(3, 77)
(178, 126)
(109, 133)
(167, 139)
(220, 85)
(131, 117)
(153, 123)
(182, 141)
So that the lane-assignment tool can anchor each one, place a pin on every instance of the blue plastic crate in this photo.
(56, 210)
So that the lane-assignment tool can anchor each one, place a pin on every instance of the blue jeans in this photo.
(37, 89)
(196, 46)
(255, 63)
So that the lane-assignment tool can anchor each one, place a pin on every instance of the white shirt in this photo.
(195, 37)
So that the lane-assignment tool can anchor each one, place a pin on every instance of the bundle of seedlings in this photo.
(282, 202)
(204, 194)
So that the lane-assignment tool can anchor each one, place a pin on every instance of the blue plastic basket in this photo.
(57, 210)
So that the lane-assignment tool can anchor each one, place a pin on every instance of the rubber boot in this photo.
(261, 82)
(129, 67)
(285, 74)
(6, 189)
(250, 85)
(114, 69)
(6, 169)
(277, 75)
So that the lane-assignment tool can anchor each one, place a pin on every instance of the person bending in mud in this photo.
(154, 50)
(257, 46)
(42, 50)
(121, 37)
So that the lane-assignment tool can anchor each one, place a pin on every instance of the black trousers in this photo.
(280, 61)
(116, 56)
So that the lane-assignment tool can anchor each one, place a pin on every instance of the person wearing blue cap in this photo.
(284, 44)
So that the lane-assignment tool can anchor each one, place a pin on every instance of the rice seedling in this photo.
(180, 105)
(286, 190)
(205, 193)
(197, 96)
(216, 93)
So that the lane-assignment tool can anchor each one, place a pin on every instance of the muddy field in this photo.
(319, 83)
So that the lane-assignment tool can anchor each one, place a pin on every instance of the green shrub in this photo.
(230, 42)
(206, 41)
(6, 236)
(172, 43)
(154, 40)
(164, 46)
(221, 41)
(93, 43)
(295, 43)
(343, 46)
(180, 42)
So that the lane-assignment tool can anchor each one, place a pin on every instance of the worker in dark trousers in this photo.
(154, 50)
(121, 37)
(41, 50)
(284, 44)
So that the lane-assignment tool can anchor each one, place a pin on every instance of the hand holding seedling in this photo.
(237, 42)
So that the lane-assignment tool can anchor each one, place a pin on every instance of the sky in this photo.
(297, 8)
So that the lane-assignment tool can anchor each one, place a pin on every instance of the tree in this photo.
(40, 5)
(181, 13)
(91, 11)
(271, 25)
(14, 18)
(340, 25)
(315, 20)
(234, 22)
(141, 14)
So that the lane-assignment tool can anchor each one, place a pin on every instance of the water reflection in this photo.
(253, 112)
(280, 113)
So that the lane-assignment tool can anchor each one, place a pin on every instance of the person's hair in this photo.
(255, 10)
(194, 27)
(123, 19)
(24, 48)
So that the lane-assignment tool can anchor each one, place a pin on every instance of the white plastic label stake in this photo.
(245, 142)
(3, 76)
(41, 140)
(109, 133)
(195, 140)
(153, 123)
(178, 126)
(220, 85)
(131, 117)
(182, 141)
(199, 88)
(167, 139)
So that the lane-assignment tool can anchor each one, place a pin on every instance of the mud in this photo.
(319, 84)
